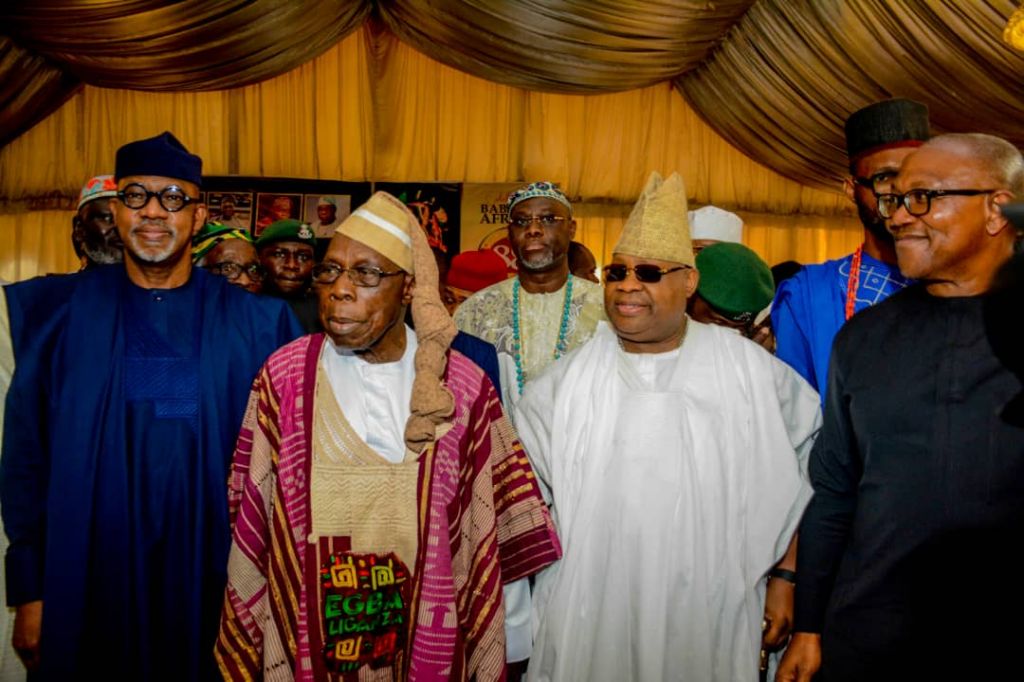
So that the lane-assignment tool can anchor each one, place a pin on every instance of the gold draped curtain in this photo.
(487, 90)
(579, 46)
(783, 82)
(155, 45)
(776, 78)
(374, 108)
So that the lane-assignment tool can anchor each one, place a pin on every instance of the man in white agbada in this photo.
(674, 456)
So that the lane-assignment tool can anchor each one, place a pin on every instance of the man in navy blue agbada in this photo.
(129, 386)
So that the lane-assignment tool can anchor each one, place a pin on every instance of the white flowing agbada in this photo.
(676, 482)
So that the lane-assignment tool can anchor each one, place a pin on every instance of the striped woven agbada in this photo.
(482, 523)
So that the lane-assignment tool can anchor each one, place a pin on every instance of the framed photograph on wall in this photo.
(263, 200)
(324, 212)
(271, 207)
(234, 209)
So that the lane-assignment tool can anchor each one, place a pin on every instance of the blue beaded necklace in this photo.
(517, 336)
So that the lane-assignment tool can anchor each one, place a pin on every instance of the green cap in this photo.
(734, 280)
(289, 230)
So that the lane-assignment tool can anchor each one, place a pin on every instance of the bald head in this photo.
(1000, 160)
(944, 211)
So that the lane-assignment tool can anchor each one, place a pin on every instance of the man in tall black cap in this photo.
(811, 306)
(129, 388)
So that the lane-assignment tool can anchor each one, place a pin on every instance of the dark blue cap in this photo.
(162, 155)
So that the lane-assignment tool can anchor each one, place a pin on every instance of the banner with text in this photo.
(485, 218)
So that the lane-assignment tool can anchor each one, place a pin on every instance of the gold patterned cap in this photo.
(658, 227)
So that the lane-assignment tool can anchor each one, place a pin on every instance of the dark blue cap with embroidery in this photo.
(162, 155)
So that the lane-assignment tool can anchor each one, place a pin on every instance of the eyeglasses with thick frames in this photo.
(919, 201)
(361, 275)
(645, 272)
(523, 222)
(171, 198)
(233, 270)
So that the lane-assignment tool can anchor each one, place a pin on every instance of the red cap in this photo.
(476, 270)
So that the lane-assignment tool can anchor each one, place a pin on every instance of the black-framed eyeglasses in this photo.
(919, 201)
(233, 270)
(172, 198)
(361, 275)
(523, 222)
(645, 272)
(876, 181)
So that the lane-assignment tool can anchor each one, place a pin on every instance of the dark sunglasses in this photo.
(645, 272)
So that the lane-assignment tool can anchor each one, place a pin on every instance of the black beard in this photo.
(873, 223)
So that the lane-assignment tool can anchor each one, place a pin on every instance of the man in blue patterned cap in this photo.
(112, 480)
(533, 319)
(544, 311)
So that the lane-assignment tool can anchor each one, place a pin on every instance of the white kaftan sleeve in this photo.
(801, 410)
(532, 417)
(518, 626)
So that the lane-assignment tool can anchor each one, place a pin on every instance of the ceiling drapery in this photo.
(188, 45)
(156, 45)
(782, 84)
(776, 78)
(579, 46)
(30, 89)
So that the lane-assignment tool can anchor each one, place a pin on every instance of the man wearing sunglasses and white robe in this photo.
(674, 455)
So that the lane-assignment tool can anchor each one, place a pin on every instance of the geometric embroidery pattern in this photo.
(876, 283)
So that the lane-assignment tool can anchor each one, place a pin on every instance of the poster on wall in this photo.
(253, 203)
(485, 219)
(437, 205)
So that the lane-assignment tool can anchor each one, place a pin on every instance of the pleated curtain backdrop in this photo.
(372, 107)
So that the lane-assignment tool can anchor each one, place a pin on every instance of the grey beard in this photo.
(538, 263)
(103, 255)
(157, 257)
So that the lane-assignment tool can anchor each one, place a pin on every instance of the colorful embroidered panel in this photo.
(365, 601)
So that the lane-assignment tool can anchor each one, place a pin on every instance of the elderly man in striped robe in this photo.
(380, 497)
